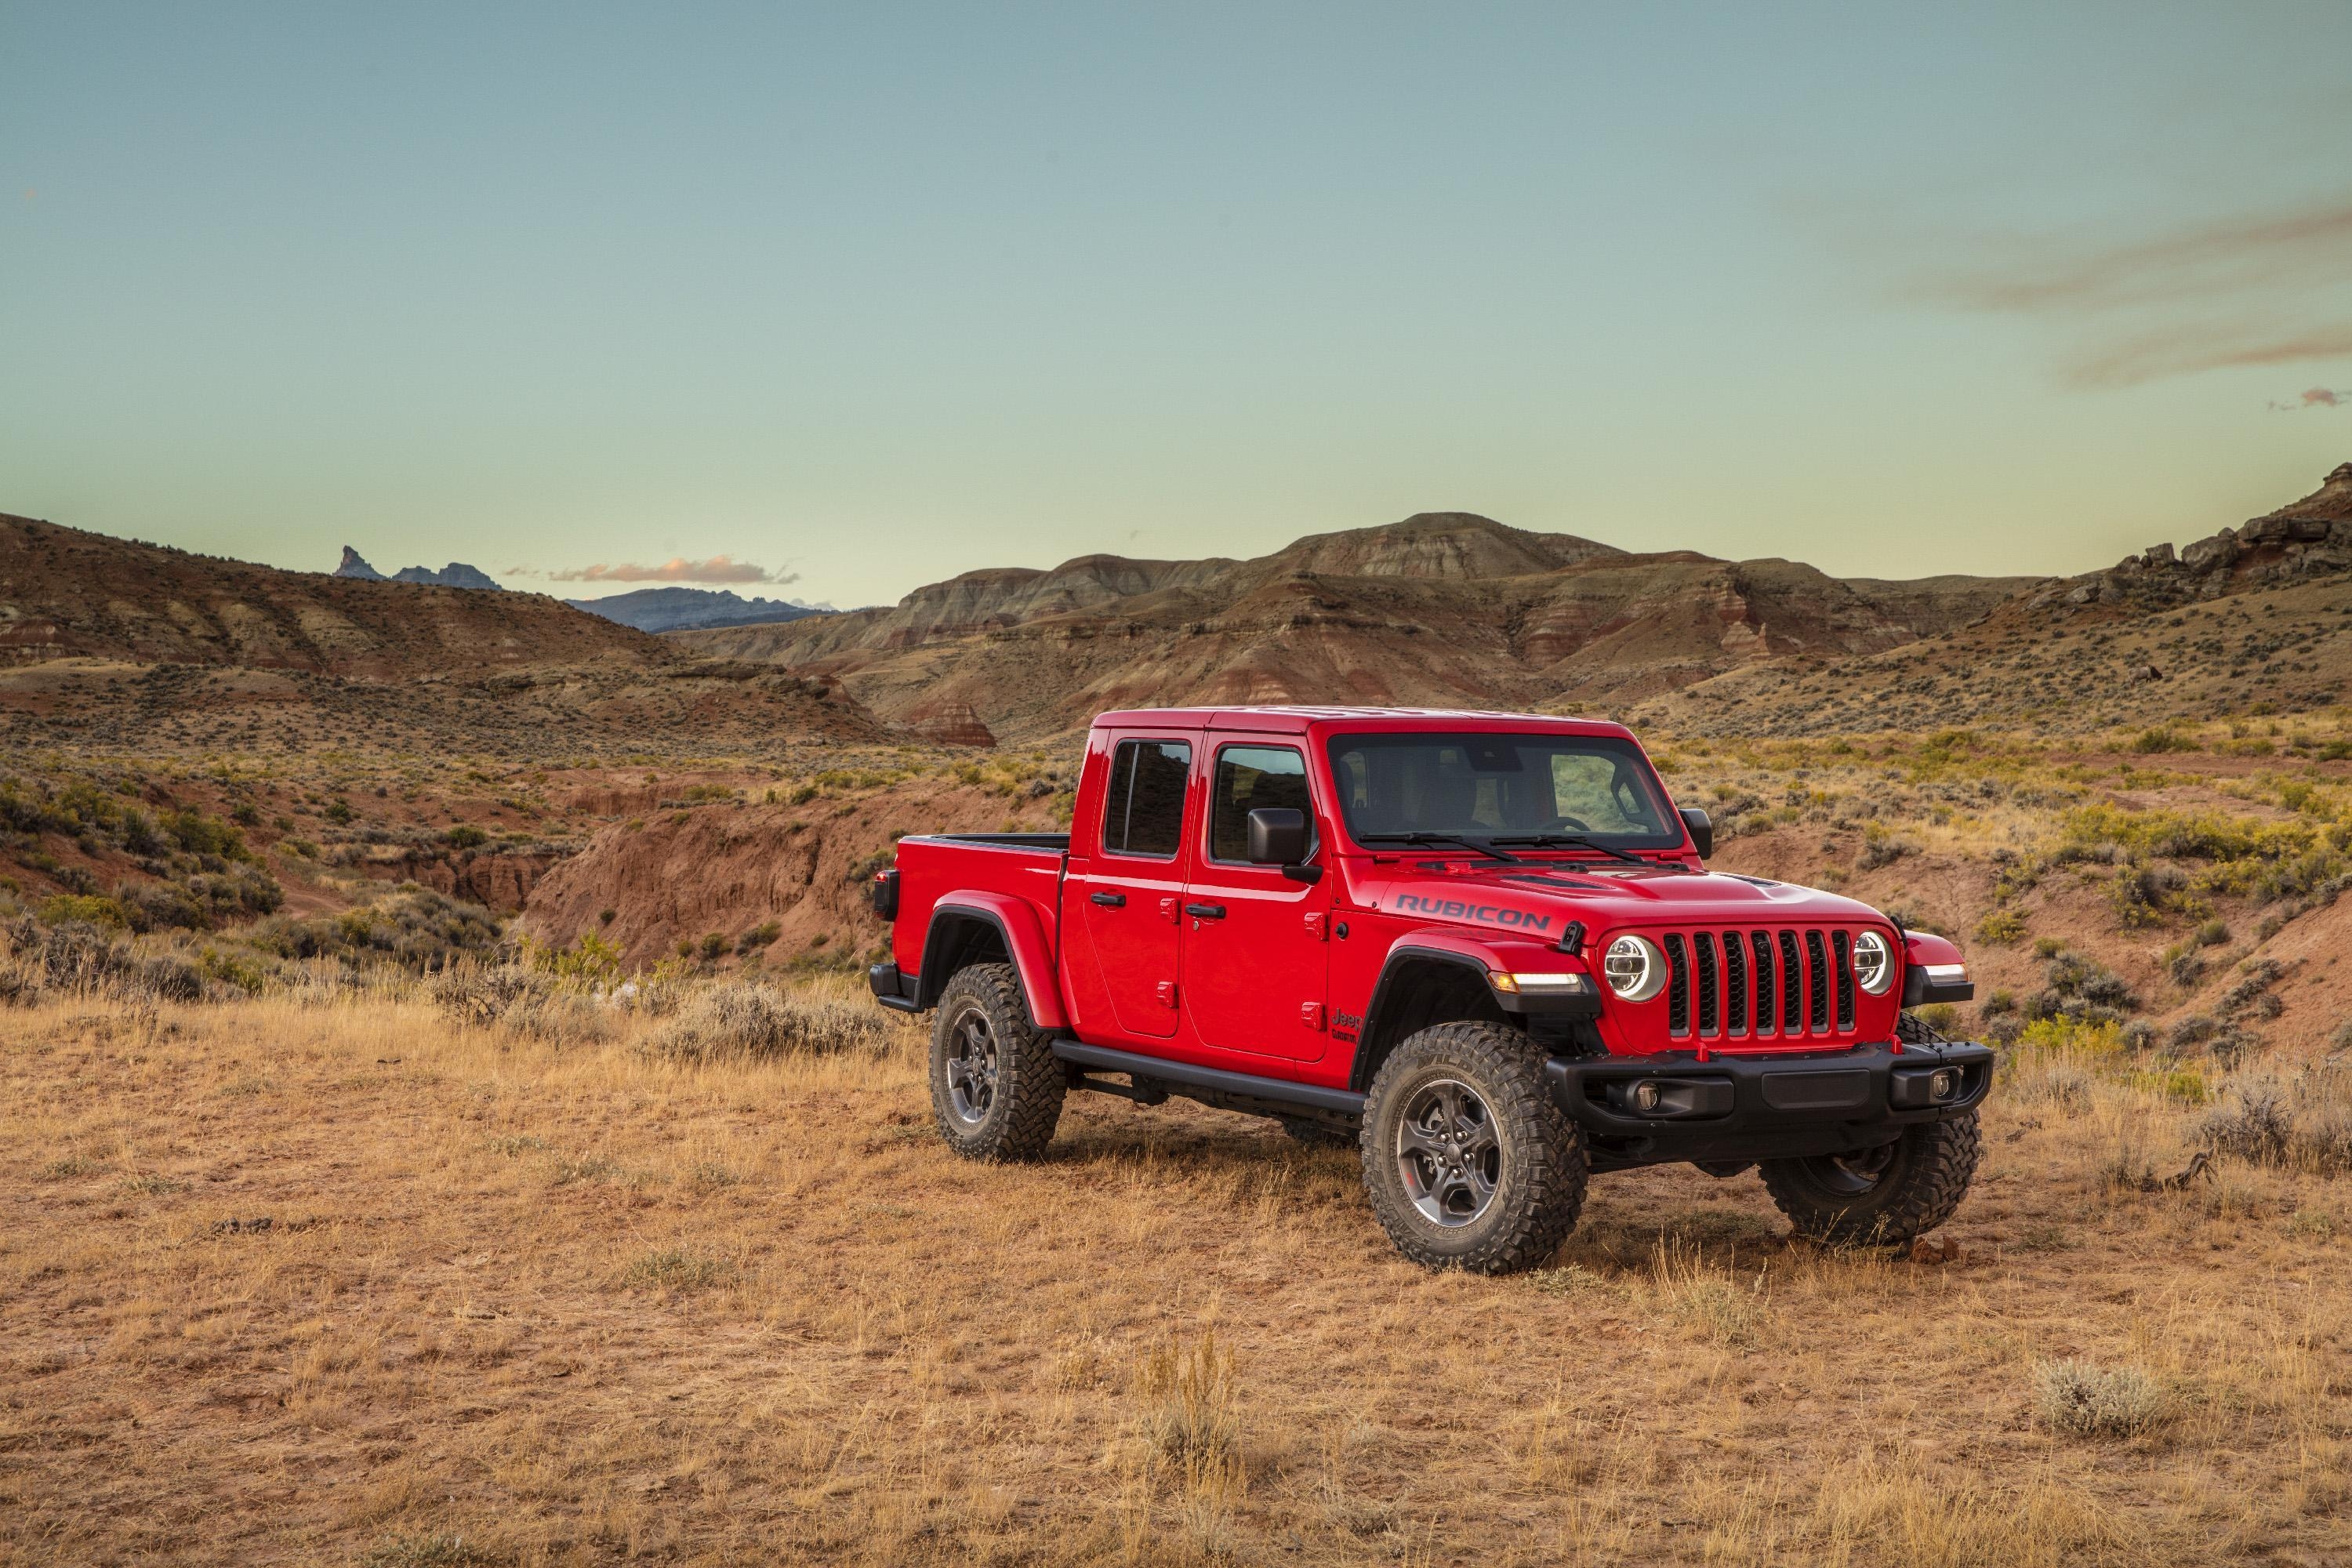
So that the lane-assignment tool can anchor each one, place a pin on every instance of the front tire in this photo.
(996, 1090)
(1886, 1196)
(1467, 1161)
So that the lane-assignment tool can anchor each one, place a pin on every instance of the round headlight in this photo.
(1873, 964)
(1635, 968)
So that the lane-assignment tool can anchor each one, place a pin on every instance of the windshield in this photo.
(1511, 787)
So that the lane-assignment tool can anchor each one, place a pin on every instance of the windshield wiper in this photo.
(1470, 843)
(1573, 841)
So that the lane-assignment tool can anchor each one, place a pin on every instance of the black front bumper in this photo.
(1729, 1110)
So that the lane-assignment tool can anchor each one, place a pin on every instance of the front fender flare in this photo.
(1017, 922)
(1481, 956)
(1933, 970)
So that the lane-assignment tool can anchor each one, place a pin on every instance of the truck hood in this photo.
(1538, 898)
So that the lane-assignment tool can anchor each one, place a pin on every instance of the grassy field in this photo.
(313, 1259)
(332, 1275)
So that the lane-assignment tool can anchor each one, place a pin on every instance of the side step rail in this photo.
(1154, 1078)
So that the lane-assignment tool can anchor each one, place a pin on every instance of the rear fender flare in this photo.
(1016, 925)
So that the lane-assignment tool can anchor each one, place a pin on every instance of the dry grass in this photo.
(2093, 1401)
(757, 1023)
(530, 1302)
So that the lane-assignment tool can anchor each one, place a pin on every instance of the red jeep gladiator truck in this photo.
(1485, 946)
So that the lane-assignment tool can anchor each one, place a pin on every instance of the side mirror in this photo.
(1278, 835)
(1702, 831)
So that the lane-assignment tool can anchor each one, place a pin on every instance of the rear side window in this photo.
(1248, 778)
(1143, 804)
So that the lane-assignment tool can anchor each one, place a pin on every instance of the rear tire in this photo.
(1467, 1161)
(1886, 1196)
(996, 1090)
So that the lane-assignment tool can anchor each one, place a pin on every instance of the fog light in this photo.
(1945, 1084)
(1646, 1097)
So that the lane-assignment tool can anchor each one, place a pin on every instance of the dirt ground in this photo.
(344, 1281)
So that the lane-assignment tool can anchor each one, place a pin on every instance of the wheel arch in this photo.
(970, 928)
(1428, 978)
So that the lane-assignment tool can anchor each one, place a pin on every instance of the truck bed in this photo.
(1050, 843)
(1012, 881)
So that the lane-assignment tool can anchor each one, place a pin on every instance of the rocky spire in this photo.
(355, 566)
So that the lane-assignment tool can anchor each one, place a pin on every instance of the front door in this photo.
(1128, 890)
(1254, 954)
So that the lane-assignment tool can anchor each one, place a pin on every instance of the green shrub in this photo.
(2001, 928)
(590, 958)
(231, 970)
(87, 907)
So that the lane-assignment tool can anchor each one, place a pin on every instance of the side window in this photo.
(1143, 802)
(1248, 777)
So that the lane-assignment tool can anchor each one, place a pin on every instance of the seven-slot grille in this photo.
(1784, 983)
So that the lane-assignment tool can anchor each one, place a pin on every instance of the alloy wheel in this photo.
(971, 1067)
(1448, 1154)
(1851, 1176)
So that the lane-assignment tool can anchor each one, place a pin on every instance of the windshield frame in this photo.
(1673, 838)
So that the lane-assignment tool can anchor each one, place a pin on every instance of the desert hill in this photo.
(1443, 608)
(64, 591)
(2254, 618)
(107, 643)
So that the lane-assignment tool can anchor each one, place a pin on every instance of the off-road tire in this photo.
(1926, 1174)
(1541, 1187)
(1026, 1100)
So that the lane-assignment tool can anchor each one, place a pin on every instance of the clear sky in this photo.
(866, 295)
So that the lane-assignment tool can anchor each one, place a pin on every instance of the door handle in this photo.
(1205, 911)
(1109, 901)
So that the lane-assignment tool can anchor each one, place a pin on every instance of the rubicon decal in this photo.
(1462, 910)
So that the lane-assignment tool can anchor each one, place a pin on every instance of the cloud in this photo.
(2269, 288)
(2316, 397)
(677, 569)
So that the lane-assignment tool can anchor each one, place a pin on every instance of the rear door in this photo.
(1127, 891)
(1254, 955)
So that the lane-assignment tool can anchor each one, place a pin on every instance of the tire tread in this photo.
(1543, 1206)
(1029, 1077)
(1928, 1191)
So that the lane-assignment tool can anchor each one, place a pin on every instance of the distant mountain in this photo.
(1443, 610)
(68, 593)
(109, 644)
(692, 609)
(457, 574)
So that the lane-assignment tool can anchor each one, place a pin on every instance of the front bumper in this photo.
(1731, 1110)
